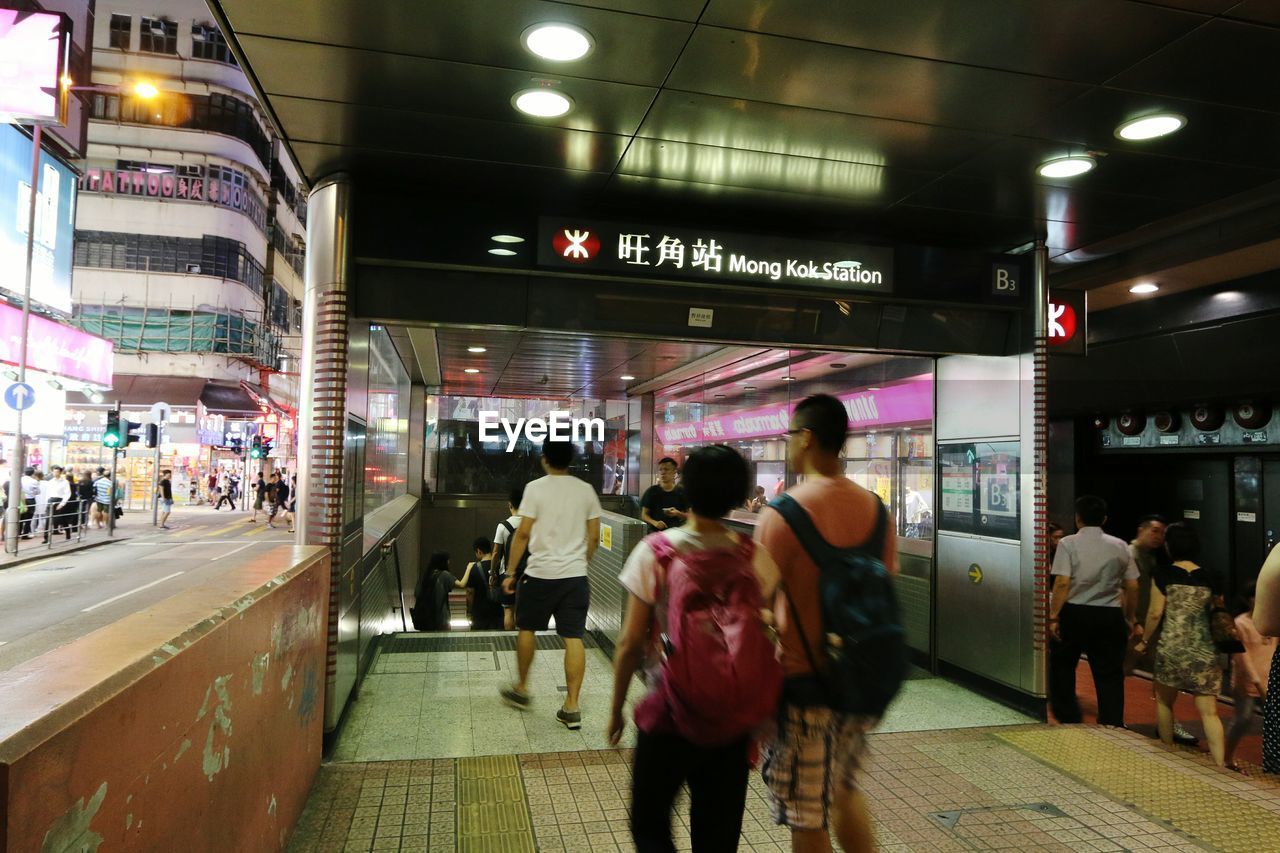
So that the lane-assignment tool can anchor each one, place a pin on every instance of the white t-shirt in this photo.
(560, 506)
(501, 535)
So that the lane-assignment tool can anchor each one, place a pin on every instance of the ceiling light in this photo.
(719, 395)
(542, 103)
(1145, 287)
(477, 349)
(506, 238)
(626, 377)
(837, 365)
(748, 387)
(471, 370)
(874, 388)
(1151, 127)
(506, 253)
(1067, 167)
(557, 42)
(95, 397)
(788, 379)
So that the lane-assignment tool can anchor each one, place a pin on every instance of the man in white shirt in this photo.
(560, 527)
(1093, 611)
(30, 493)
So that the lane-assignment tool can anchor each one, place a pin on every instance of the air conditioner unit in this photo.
(157, 28)
(193, 269)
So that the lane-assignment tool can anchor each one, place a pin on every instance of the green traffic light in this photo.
(110, 440)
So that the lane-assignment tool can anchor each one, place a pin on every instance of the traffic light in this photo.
(236, 443)
(153, 436)
(111, 436)
(266, 446)
(132, 433)
(255, 449)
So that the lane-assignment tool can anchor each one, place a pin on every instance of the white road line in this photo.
(232, 551)
(130, 592)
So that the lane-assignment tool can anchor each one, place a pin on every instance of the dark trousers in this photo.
(717, 778)
(230, 501)
(26, 515)
(1102, 634)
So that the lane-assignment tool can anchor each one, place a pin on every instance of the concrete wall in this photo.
(193, 725)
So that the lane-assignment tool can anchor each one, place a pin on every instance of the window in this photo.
(215, 256)
(121, 30)
(279, 306)
(158, 36)
(207, 42)
(216, 113)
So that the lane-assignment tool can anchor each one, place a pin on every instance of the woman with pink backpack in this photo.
(696, 619)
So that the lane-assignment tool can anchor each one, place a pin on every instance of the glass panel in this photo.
(386, 464)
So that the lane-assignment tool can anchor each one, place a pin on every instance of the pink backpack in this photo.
(720, 675)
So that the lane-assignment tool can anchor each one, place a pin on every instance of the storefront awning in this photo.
(230, 401)
(146, 390)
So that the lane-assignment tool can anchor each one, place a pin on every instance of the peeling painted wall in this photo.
(213, 746)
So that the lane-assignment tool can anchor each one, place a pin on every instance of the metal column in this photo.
(1035, 446)
(322, 415)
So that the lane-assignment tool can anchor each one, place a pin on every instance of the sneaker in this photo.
(1184, 737)
(514, 697)
(572, 719)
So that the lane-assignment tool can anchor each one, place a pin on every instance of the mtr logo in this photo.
(575, 245)
(1062, 323)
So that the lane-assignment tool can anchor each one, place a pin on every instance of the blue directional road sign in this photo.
(19, 396)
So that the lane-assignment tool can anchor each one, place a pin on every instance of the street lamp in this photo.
(144, 90)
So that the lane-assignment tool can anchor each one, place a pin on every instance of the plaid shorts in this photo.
(814, 751)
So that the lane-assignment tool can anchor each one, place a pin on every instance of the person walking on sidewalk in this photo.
(1095, 597)
(259, 496)
(811, 762)
(708, 693)
(1266, 617)
(164, 492)
(1250, 671)
(560, 527)
(103, 499)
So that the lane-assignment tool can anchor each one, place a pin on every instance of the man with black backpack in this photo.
(501, 545)
(843, 663)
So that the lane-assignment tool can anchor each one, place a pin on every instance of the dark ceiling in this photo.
(917, 122)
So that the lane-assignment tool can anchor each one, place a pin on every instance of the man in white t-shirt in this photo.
(560, 527)
(501, 536)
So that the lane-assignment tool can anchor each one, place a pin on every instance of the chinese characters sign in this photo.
(910, 402)
(661, 252)
(179, 187)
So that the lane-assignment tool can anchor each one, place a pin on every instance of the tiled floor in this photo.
(430, 760)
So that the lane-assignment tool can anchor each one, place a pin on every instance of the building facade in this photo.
(189, 249)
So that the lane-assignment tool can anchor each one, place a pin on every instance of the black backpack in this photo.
(867, 665)
(499, 572)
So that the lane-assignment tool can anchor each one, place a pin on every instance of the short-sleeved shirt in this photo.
(102, 490)
(657, 499)
(846, 516)
(166, 490)
(280, 494)
(1097, 564)
(502, 534)
(560, 505)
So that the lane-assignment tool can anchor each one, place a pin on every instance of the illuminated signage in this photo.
(55, 221)
(56, 349)
(33, 60)
(662, 252)
(1067, 322)
(177, 187)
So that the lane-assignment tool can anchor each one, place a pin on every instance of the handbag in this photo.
(1222, 627)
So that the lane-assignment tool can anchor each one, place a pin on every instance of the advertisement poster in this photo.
(55, 222)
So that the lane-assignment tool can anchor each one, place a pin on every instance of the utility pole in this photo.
(19, 449)
(155, 484)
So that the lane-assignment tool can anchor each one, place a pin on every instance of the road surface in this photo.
(50, 602)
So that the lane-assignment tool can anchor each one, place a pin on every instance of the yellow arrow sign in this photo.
(975, 573)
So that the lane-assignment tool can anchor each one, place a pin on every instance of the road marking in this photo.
(130, 592)
(232, 551)
(255, 531)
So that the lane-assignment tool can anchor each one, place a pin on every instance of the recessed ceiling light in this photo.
(874, 388)
(477, 349)
(626, 377)
(1145, 287)
(748, 387)
(471, 370)
(719, 395)
(506, 238)
(557, 42)
(788, 379)
(542, 103)
(1067, 167)
(837, 365)
(1151, 127)
(506, 253)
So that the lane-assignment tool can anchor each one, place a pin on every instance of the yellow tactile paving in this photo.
(493, 812)
(1181, 796)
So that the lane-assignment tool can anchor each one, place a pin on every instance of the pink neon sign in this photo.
(908, 402)
(56, 349)
(33, 47)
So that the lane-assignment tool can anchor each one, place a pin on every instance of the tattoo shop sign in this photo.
(656, 251)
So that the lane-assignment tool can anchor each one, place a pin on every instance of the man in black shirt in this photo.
(277, 498)
(165, 492)
(664, 504)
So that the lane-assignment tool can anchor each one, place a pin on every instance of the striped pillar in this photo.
(323, 413)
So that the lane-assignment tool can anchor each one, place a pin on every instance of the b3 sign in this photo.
(1067, 322)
